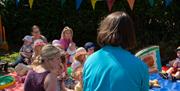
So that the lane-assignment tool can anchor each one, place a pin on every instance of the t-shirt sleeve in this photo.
(145, 79)
(44, 39)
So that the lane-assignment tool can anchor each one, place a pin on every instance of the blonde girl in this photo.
(43, 77)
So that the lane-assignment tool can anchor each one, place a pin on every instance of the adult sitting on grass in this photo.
(36, 34)
(113, 68)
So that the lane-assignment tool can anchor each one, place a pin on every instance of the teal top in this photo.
(114, 69)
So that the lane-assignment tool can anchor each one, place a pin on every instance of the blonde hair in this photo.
(64, 30)
(48, 52)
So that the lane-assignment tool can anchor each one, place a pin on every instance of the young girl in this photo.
(78, 77)
(43, 77)
(66, 37)
(38, 44)
(80, 57)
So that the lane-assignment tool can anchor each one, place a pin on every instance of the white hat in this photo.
(56, 43)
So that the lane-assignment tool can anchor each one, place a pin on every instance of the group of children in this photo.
(43, 66)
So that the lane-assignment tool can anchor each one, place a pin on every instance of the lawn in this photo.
(9, 57)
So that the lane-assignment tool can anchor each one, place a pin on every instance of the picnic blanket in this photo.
(18, 86)
(166, 85)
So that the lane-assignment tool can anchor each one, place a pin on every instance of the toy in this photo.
(154, 83)
(6, 81)
(151, 56)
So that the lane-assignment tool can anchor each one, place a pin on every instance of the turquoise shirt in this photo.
(114, 69)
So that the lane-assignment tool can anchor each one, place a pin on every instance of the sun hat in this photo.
(39, 42)
(89, 45)
(27, 38)
(56, 43)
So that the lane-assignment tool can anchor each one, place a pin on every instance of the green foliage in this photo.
(158, 25)
(10, 58)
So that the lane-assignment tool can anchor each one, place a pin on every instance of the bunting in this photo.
(93, 2)
(110, 4)
(131, 3)
(17, 3)
(78, 4)
(168, 2)
(151, 2)
(31, 3)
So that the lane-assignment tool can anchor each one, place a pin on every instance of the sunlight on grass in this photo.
(10, 58)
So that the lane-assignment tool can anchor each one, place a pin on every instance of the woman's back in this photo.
(114, 69)
(35, 81)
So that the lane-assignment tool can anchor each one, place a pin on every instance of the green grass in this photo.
(10, 57)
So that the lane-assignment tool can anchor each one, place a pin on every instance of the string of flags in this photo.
(110, 3)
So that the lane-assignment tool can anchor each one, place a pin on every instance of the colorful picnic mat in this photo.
(18, 86)
(166, 85)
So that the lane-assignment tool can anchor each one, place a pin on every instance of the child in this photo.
(80, 57)
(78, 77)
(25, 51)
(22, 71)
(71, 52)
(43, 77)
(173, 71)
(38, 44)
(89, 46)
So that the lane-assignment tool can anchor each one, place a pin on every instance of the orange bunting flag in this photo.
(110, 4)
(31, 3)
(131, 3)
(93, 2)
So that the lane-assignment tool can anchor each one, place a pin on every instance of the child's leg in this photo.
(170, 70)
(177, 75)
(20, 59)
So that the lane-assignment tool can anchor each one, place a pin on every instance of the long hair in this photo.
(117, 30)
(48, 52)
(64, 30)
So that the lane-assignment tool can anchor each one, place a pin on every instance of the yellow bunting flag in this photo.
(131, 3)
(93, 2)
(31, 3)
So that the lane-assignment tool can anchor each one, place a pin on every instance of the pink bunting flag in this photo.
(110, 4)
(131, 3)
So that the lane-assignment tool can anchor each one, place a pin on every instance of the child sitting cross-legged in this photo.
(25, 52)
